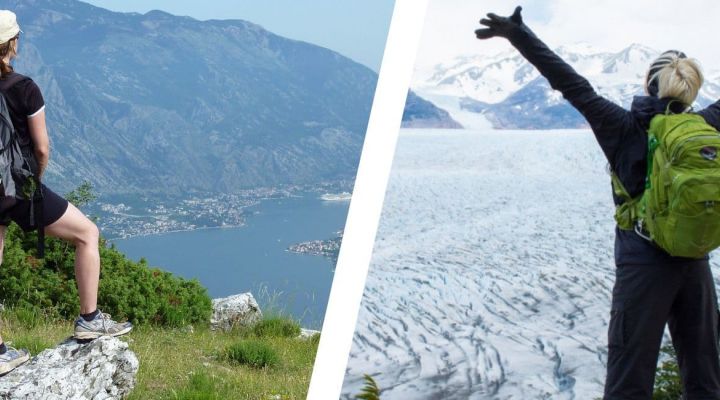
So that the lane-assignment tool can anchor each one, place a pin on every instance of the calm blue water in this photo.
(253, 257)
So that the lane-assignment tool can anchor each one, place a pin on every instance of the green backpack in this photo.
(680, 207)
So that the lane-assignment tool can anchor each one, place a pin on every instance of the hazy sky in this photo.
(355, 28)
(689, 25)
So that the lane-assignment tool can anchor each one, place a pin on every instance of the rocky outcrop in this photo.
(236, 310)
(420, 113)
(99, 370)
(307, 333)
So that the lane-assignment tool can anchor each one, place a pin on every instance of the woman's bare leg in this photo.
(77, 229)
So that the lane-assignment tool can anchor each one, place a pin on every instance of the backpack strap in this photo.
(6, 84)
(653, 144)
(36, 199)
(37, 203)
(628, 212)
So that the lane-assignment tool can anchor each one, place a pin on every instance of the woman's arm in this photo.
(712, 114)
(608, 120)
(40, 140)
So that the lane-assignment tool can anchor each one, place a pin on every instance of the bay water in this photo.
(254, 257)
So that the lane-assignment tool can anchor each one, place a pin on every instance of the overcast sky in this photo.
(688, 25)
(355, 28)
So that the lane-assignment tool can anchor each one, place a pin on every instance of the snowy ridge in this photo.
(492, 270)
(485, 78)
(498, 86)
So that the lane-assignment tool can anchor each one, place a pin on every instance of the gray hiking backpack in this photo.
(18, 168)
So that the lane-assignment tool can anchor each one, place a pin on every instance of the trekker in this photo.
(652, 287)
(60, 218)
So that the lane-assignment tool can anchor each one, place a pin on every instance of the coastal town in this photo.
(120, 218)
(149, 216)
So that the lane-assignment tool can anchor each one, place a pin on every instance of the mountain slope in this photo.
(420, 113)
(510, 93)
(156, 102)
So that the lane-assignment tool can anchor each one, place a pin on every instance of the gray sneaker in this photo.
(12, 359)
(102, 325)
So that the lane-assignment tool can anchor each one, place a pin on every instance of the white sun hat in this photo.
(9, 27)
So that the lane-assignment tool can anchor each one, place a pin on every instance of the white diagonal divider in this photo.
(367, 198)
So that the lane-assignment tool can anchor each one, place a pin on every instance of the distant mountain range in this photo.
(420, 113)
(165, 104)
(511, 94)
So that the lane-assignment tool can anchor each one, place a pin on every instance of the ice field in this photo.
(492, 269)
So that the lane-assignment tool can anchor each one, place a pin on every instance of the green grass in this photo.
(26, 316)
(203, 386)
(371, 390)
(31, 329)
(253, 353)
(177, 364)
(277, 327)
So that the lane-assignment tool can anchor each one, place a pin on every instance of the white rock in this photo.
(307, 333)
(237, 310)
(99, 370)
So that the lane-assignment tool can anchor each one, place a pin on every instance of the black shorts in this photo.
(54, 206)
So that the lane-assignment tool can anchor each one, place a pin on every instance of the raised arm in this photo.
(608, 120)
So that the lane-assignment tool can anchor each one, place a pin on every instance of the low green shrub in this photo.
(277, 327)
(128, 290)
(142, 294)
(253, 353)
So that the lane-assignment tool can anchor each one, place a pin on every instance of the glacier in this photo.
(492, 269)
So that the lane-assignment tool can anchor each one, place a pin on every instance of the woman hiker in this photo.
(60, 218)
(652, 287)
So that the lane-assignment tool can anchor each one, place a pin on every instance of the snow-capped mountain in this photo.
(510, 93)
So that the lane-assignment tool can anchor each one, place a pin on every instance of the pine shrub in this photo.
(667, 377)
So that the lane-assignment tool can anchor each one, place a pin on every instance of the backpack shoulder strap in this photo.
(619, 188)
(628, 212)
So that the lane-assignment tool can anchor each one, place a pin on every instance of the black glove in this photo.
(500, 26)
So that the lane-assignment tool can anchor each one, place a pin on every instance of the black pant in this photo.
(645, 297)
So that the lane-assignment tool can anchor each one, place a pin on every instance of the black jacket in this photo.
(622, 134)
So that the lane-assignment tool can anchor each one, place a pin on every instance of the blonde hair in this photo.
(680, 78)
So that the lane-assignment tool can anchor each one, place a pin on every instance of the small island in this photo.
(328, 248)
